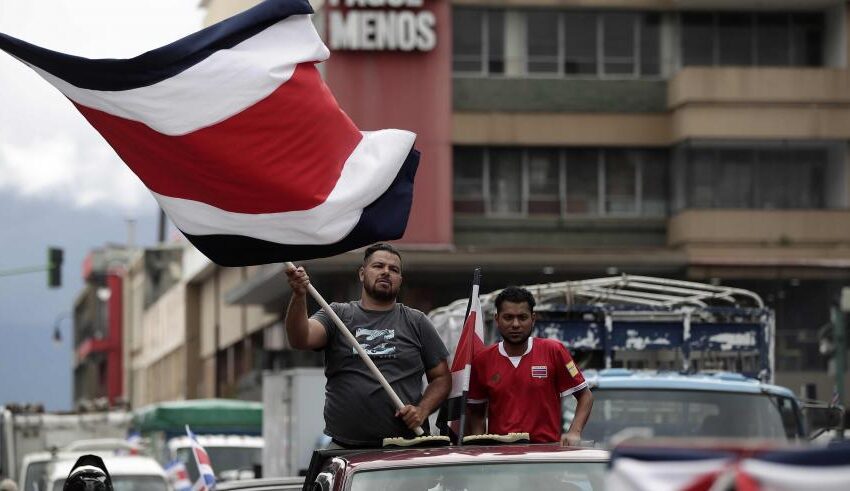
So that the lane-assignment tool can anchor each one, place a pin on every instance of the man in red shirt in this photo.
(518, 383)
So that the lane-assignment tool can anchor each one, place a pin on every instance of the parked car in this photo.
(459, 468)
(129, 473)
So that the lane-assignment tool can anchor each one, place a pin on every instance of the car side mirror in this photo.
(821, 418)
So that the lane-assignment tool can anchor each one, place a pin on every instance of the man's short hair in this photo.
(379, 246)
(515, 294)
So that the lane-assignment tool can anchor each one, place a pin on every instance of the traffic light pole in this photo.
(28, 269)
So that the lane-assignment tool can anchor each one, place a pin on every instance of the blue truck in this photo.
(666, 358)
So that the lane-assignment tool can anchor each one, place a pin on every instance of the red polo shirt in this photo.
(525, 397)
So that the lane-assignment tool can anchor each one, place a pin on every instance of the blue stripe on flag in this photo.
(158, 64)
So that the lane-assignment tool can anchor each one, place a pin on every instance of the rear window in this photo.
(567, 476)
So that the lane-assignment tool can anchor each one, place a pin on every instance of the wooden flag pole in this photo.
(360, 351)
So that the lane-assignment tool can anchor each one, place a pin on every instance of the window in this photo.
(544, 182)
(468, 180)
(580, 44)
(557, 182)
(583, 182)
(542, 32)
(752, 39)
(618, 43)
(505, 182)
(760, 178)
(478, 41)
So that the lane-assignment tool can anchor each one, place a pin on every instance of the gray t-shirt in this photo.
(403, 344)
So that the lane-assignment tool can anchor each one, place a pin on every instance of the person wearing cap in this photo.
(88, 474)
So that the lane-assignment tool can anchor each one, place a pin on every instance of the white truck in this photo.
(293, 420)
(25, 430)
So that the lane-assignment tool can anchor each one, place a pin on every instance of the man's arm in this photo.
(475, 419)
(303, 333)
(439, 386)
(583, 407)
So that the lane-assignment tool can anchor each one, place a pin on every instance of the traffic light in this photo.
(54, 267)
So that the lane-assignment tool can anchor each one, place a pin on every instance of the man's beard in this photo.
(380, 295)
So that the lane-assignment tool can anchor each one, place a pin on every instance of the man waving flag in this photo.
(451, 417)
(240, 141)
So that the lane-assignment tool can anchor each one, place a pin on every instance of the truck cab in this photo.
(648, 404)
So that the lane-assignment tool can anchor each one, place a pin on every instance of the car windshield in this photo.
(566, 476)
(129, 483)
(34, 476)
(621, 413)
(222, 459)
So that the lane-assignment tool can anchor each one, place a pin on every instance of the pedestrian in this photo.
(401, 341)
(517, 384)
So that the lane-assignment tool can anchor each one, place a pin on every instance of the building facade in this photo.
(698, 139)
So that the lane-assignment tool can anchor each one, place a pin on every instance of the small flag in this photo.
(834, 401)
(239, 139)
(539, 371)
(451, 417)
(178, 476)
(206, 481)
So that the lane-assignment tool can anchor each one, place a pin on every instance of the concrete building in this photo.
(691, 139)
(99, 327)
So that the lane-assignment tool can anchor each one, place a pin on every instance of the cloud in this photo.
(47, 150)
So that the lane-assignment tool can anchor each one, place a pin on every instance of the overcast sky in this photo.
(60, 183)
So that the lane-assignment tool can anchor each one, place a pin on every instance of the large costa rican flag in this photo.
(240, 141)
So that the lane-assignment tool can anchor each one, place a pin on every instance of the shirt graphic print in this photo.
(378, 343)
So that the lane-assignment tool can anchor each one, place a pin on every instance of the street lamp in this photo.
(57, 334)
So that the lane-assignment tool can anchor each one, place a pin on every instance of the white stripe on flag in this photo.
(358, 185)
(781, 477)
(628, 474)
(460, 382)
(223, 84)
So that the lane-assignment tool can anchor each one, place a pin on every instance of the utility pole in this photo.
(839, 334)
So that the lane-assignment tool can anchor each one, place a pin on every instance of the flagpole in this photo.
(476, 282)
(360, 351)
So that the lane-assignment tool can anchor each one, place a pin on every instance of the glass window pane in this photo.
(701, 164)
(582, 182)
(620, 179)
(790, 178)
(735, 37)
(807, 39)
(505, 181)
(542, 31)
(650, 46)
(773, 46)
(580, 43)
(697, 39)
(733, 178)
(468, 164)
(619, 43)
(655, 180)
(543, 182)
(496, 37)
(466, 40)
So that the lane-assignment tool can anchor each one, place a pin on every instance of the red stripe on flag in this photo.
(284, 153)
(466, 348)
(202, 456)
